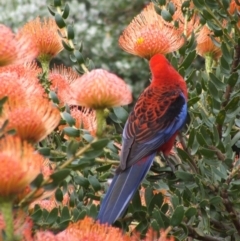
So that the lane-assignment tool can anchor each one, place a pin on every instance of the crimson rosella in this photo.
(152, 126)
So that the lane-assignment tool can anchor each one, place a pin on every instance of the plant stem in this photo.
(6, 210)
(101, 115)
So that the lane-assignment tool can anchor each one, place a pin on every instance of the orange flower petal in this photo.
(44, 34)
(26, 163)
(148, 34)
(100, 89)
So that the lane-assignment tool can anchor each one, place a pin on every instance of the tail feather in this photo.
(122, 190)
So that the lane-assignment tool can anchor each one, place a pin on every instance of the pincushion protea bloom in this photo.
(15, 49)
(148, 34)
(33, 122)
(85, 118)
(99, 89)
(26, 162)
(61, 78)
(205, 45)
(45, 36)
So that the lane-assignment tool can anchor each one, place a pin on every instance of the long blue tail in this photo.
(122, 189)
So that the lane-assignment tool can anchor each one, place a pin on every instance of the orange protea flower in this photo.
(27, 70)
(22, 226)
(61, 77)
(45, 236)
(26, 162)
(148, 34)
(45, 36)
(88, 229)
(14, 49)
(32, 122)
(100, 89)
(205, 45)
(233, 7)
(85, 118)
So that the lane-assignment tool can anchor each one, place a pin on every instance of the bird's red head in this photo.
(163, 73)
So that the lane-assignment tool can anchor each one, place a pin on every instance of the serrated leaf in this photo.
(59, 21)
(60, 175)
(177, 216)
(100, 144)
(66, 11)
(94, 183)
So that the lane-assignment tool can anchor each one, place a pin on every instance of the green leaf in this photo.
(120, 113)
(233, 79)
(37, 213)
(166, 15)
(72, 147)
(235, 138)
(193, 101)
(185, 176)
(82, 181)
(79, 57)
(156, 201)
(225, 53)
(51, 11)
(188, 59)
(36, 183)
(57, 3)
(94, 183)
(100, 144)
(199, 4)
(68, 118)
(171, 8)
(148, 195)
(72, 132)
(215, 200)
(233, 103)
(177, 216)
(104, 168)
(59, 195)
(66, 11)
(190, 212)
(219, 84)
(136, 202)
(53, 216)
(53, 97)
(70, 49)
(70, 32)
(65, 215)
(45, 151)
(59, 21)
(91, 154)
(213, 90)
(60, 175)
(201, 139)
(221, 117)
(157, 216)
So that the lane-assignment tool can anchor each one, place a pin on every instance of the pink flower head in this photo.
(100, 89)
(148, 34)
